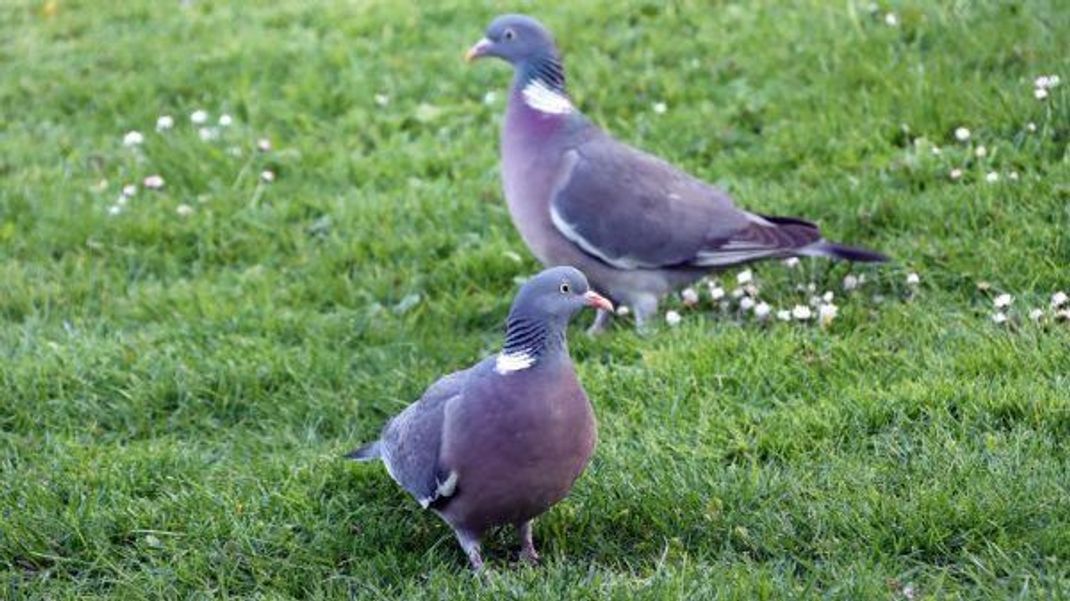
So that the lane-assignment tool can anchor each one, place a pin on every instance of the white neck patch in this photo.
(508, 363)
(542, 98)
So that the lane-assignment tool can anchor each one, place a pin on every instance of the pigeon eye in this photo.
(509, 34)
(565, 288)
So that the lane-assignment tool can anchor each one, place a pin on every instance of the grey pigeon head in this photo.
(516, 39)
(554, 296)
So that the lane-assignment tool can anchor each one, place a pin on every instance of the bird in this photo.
(635, 224)
(500, 442)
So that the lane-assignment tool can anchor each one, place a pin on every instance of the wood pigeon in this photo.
(502, 441)
(636, 225)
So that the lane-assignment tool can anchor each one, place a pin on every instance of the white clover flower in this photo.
(153, 182)
(672, 318)
(737, 292)
(761, 310)
(980, 152)
(660, 108)
(992, 177)
(267, 176)
(1059, 299)
(716, 292)
(828, 296)
(165, 122)
(746, 303)
(184, 210)
(750, 290)
(962, 134)
(1031, 127)
(263, 145)
(114, 210)
(1003, 300)
(1041, 82)
(129, 190)
(850, 282)
(1053, 80)
(133, 138)
(783, 315)
(936, 150)
(745, 277)
(198, 117)
(122, 200)
(382, 99)
(999, 317)
(801, 312)
(490, 97)
(955, 174)
(1040, 94)
(791, 262)
(623, 310)
(815, 301)
(1013, 176)
(1036, 314)
(811, 287)
(891, 20)
(689, 296)
(913, 279)
(225, 120)
(208, 134)
(826, 313)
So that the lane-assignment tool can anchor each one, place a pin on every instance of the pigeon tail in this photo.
(824, 248)
(368, 452)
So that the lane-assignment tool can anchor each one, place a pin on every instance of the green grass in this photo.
(176, 392)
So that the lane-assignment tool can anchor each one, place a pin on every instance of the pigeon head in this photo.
(516, 39)
(540, 315)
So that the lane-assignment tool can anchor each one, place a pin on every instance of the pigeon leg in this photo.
(470, 544)
(527, 545)
(646, 311)
(601, 321)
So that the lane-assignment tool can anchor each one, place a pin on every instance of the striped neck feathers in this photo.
(542, 85)
(526, 342)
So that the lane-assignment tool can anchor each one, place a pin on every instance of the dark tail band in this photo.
(844, 252)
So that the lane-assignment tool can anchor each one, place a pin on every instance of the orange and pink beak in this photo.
(598, 301)
(479, 50)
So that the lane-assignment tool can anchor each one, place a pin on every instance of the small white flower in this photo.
(783, 315)
(1031, 127)
(999, 317)
(1059, 299)
(745, 276)
(129, 190)
(1053, 80)
(801, 312)
(962, 134)
(165, 122)
(750, 290)
(811, 287)
(1036, 314)
(1041, 82)
(122, 200)
(198, 117)
(689, 296)
(791, 262)
(672, 318)
(1040, 94)
(1003, 300)
(936, 150)
(746, 303)
(1013, 176)
(955, 174)
(761, 310)
(623, 310)
(490, 97)
(263, 145)
(382, 99)
(815, 301)
(737, 292)
(980, 152)
(133, 138)
(891, 20)
(850, 282)
(184, 210)
(660, 108)
(267, 176)
(208, 133)
(826, 313)
(114, 210)
(992, 177)
(225, 120)
(153, 182)
(913, 279)
(1062, 315)
(716, 292)
(828, 296)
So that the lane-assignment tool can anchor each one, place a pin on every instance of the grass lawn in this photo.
(180, 371)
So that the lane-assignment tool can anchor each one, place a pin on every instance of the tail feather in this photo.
(824, 248)
(368, 452)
